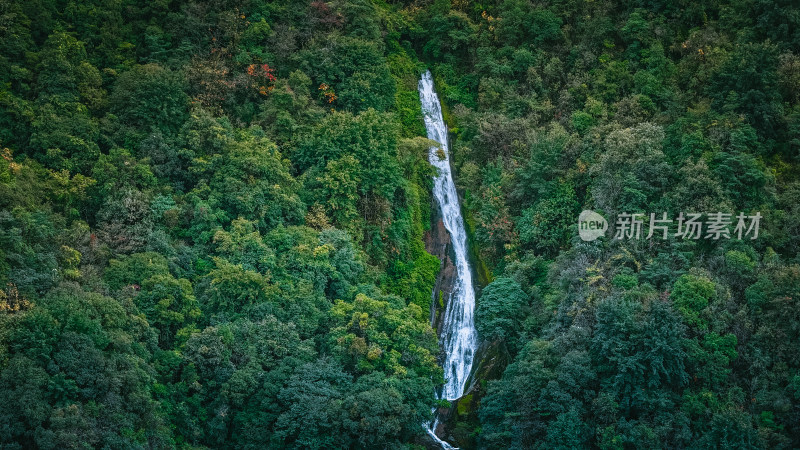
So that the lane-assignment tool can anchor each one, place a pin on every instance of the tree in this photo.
(633, 171)
(383, 410)
(450, 36)
(692, 294)
(640, 358)
(29, 249)
(231, 289)
(746, 82)
(170, 306)
(243, 244)
(313, 404)
(134, 269)
(567, 431)
(548, 225)
(339, 190)
(64, 133)
(368, 137)
(76, 371)
(146, 99)
(354, 69)
(369, 335)
(520, 23)
(233, 376)
(252, 180)
(538, 177)
(501, 307)
(518, 393)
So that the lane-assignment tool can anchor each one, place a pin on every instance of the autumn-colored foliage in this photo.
(327, 93)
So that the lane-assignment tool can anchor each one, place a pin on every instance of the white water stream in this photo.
(458, 338)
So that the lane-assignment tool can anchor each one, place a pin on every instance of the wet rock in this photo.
(459, 423)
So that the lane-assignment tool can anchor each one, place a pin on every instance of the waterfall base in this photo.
(431, 429)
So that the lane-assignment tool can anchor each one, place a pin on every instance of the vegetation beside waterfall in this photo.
(638, 107)
(212, 218)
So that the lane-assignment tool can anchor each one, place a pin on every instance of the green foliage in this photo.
(73, 364)
(632, 172)
(582, 121)
(232, 288)
(500, 310)
(415, 280)
(524, 24)
(450, 36)
(145, 99)
(692, 294)
(625, 279)
(63, 133)
(212, 219)
(28, 249)
(368, 138)
(548, 224)
(637, 352)
(710, 359)
(134, 269)
(339, 183)
(746, 83)
(636, 108)
(409, 109)
(243, 244)
(383, 335)
(355, 69)
(251, 179)
(170, 306)
(538, 177)
(567, 431)
(243, 365)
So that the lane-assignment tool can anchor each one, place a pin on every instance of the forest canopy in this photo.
(213, 218)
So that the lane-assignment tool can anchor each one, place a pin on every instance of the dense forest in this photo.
(213, 215)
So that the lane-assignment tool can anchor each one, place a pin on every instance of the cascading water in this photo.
(458, 336)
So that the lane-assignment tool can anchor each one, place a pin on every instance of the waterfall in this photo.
(458, 336)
